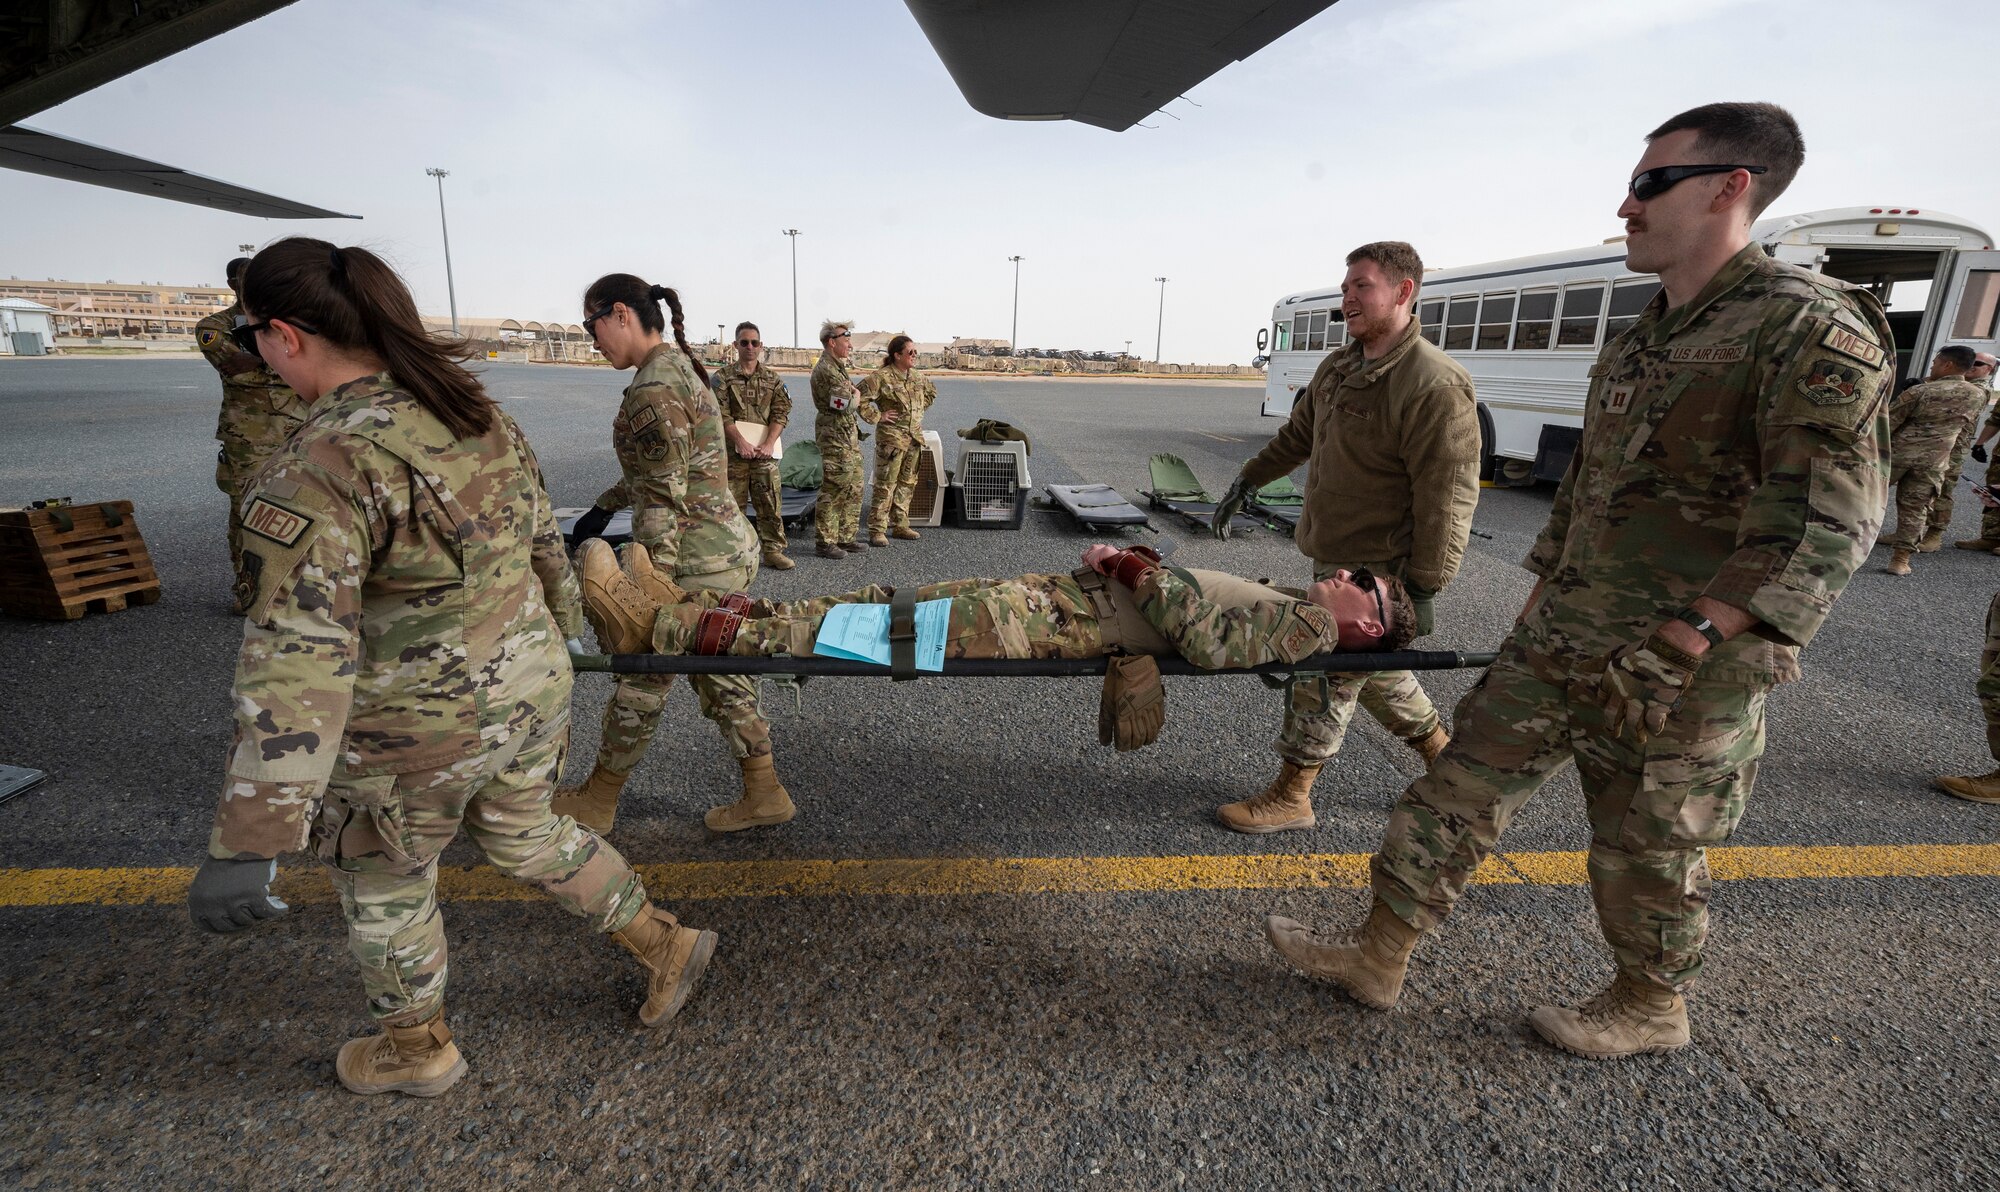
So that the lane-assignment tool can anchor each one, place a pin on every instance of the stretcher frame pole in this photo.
(965, 668)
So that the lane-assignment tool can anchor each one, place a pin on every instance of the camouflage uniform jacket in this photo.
(759, 397)
(408, 597)
(1926, 419)
(1217, 620)
(1394, 451)
(1735, 447)
(668, 435)
(908, 394)
(258, 409)
(831, 381)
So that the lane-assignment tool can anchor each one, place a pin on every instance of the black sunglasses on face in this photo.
(749, 343)
(590, 320)
(244, 334)
(1361, 577)
(1653, 183)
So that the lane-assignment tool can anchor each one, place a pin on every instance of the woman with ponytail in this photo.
(894, 398)
(403, 672)
(674, 459)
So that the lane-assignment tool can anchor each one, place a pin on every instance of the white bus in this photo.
(1529, 329)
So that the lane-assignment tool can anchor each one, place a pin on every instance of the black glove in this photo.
(590, 525)
(1231, 505)
(228, 896)
(1979, 452)
(1421, 601)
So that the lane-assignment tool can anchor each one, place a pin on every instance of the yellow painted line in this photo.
(691, 881)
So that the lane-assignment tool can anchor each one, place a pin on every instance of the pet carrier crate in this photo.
(927, 502)
(993, 485)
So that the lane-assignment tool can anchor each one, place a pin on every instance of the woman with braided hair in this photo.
(674, 457)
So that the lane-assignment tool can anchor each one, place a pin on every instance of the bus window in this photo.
(1430, 319)
(1300, 323)
(1316, 335)
(1533, 322)
(1628, 298)
(1581, 305)
(1496, 315)
(1458, 323)
(1281, 337)
(1336, 331)
(1978, 306)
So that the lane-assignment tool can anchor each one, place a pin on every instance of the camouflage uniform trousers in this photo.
(1317, 709)
(1034, 616)
(754, 484)
(898, 452)
(236, 465)
(1917, 491)
(1989, 677)
(1989, 519)
(838, 518)
(729, 700)
(1954, 471)
(381, 837)
(1652, 808)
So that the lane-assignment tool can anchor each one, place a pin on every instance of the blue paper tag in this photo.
(861, 632)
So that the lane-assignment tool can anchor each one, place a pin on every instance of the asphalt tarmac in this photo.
(1847, 1029)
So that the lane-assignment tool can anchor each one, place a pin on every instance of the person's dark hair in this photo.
(1745, 134)
(895, 345)
(1960, 355)
(1398, 262)
(747, 325)
(353, 300)
(644, 301)
(1402, 617)
(234, 270)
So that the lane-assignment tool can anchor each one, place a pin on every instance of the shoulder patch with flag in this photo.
(207, 336)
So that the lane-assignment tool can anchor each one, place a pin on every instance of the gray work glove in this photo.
(228, 896)
(1232, 504)
(1420, 599)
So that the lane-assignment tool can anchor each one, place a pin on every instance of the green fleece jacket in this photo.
(1392, 448)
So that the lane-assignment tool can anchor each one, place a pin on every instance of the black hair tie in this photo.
(339, 262)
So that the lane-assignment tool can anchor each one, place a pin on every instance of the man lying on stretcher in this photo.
(1119, 602)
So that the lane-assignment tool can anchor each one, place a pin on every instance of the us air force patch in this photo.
(1848, 344)
(1830, 383)
(268, 519)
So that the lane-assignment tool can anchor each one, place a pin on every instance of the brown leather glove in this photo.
(1134, 704)
(1644, 684)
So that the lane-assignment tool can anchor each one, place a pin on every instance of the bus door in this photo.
(1970, 312)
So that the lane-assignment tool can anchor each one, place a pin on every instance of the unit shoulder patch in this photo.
(207, 336)
(269, 520)
(1847, 343)
(1304, 632)
(1828, 382)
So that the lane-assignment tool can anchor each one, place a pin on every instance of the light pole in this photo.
(1128, 347)
(1014, 336)
(450, 290)
(794, 234)
(1161, 323)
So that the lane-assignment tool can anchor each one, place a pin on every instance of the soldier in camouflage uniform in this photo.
(1730, 479)
(1925, 422)
(669, 439)
(1980, 374)
(750, 392)
(894, 399)
(837, 521)
(1984, 788)
(259, 411)
(1989, 517)
(403, 672)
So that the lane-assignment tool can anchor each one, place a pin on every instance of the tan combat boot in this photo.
(764, 802)
(419, 1060)
(877, 538)
(776, 560)
(1630, 1018)
(618, 610)
(1976, 788)
(1428, 747)
(829, 550)
(1981, 543)
(1899, 563)
(1368, 963)
(650, 580)
(905, 532)
(1931, 542)
(1283, 806)
(674, 957)
(595, 803)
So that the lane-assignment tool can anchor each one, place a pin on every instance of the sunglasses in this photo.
(244, 334)
(749, 343)
(1361, 577)
(590, 320)
(842, 335)
(1651, 184)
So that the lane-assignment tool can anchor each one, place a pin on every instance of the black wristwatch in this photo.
(1700, 624)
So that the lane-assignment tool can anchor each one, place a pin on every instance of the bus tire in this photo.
(1489, 463)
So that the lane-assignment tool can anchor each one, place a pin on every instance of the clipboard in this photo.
(754, 432)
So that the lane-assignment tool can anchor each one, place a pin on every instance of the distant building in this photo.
(871, 346)
(121, 309)
(26, 328)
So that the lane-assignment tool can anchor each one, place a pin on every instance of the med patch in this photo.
(646, 416)
(1854, 347)
(269, 520)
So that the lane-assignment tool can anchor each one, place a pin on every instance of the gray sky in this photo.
(674, 140)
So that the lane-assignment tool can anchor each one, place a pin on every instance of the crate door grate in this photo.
(989, 486)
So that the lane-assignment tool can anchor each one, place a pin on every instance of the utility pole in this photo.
(450, 290)
(1159, 325)
(794, 234)
(1014, 336)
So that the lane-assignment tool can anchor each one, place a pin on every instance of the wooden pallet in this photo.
(58, 564)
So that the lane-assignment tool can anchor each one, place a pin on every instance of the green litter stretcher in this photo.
(1176, 490)
(1279, 503)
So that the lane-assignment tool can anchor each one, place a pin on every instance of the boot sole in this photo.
(762, 821)
(1993, 801)
(1297, 825)
(434, 1087)
(697, 963)
(1559, 1045)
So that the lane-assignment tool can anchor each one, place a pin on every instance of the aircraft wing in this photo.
(36, 152)
(1105, 62)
